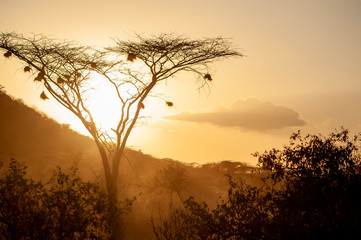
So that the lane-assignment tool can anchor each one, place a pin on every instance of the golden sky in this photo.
(302, 69)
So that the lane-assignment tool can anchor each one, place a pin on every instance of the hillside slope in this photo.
(42, 143)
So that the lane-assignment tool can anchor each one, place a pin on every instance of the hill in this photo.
(39, 141)
(42, 143)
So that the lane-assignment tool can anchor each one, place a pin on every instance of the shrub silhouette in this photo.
(64, 208)
(311, 191)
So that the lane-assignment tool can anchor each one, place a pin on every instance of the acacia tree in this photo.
(67, 69)
(171, 179)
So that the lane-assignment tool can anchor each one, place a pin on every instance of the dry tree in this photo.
(66, 70)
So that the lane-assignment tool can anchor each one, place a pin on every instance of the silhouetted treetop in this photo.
(314, 156)
(167, 54)
(42, 50)
(64, 67)
(311, 192)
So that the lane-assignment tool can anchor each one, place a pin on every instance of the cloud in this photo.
(249, 115)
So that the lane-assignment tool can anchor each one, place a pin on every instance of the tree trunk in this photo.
(112, 191)
(115, 228)
(111, 178)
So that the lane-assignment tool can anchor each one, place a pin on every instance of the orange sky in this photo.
(302, 69)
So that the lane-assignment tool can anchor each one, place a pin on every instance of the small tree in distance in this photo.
(67, 69)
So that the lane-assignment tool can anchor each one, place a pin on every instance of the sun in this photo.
(103, 103)
(101, 99)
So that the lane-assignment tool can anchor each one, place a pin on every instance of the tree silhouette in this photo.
(66, 69)
(171, 179)
(316, 183)
(311, 191)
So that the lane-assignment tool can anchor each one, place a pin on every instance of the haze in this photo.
(301, 70)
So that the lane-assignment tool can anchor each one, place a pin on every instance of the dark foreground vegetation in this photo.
(64, 208)
(308, 190)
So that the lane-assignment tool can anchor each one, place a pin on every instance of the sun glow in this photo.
(104, 104)
(101, 98)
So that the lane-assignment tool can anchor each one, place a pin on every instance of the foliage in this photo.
(189, 223)
(319, 195)
(311, 191)
(64, 208)
(242, 216)
(167, 54)
(20, 201)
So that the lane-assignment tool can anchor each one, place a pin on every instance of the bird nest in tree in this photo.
(27, 69)
(208, 77)
(7, 54)
(169, 104)
(141, 105)
(40, 76)
(77, 75)
(131, 57)
(60, 80)
(43, 96)
(93, 65)
(161, 48)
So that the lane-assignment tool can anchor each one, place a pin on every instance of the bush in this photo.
(311, 191)
(64, 208)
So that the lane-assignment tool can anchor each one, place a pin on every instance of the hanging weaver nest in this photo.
(7, 54)
(77, 75)
(169, 104)
(40, 76)
(93, 65)
(60, 80)
(208, 77)
(27, 69)
(141, 105)
(161, 48)
(43, 96)
(131, 57)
